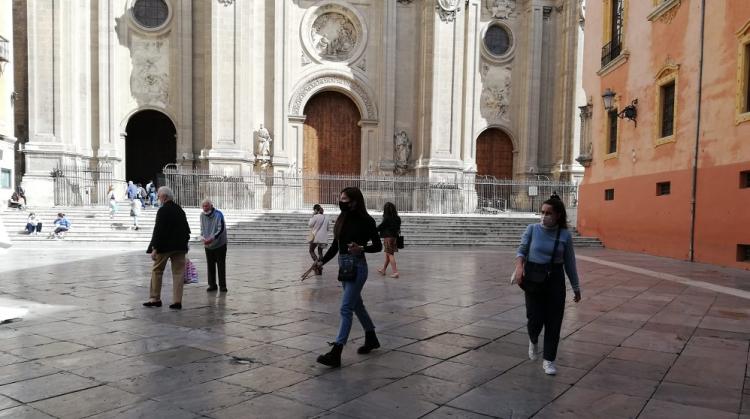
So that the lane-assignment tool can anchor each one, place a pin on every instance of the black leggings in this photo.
(544, 309)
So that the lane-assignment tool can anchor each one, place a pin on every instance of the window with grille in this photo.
(745, 179)
(613, 48)
(150, 13)
(743, 253)
(663, 188)
(667, 109)
(609, 194)
(612, 132)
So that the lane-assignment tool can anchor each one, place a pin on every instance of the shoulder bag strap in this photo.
(554, 249)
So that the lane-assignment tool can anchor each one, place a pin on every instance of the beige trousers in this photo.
(178, 269)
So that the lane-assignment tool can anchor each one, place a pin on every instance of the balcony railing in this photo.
(611, 51)
(4, 50)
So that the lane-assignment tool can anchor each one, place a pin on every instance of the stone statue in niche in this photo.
(334, 36)
(447, 9)
(401, 152)
(501, 9)
(263, 148)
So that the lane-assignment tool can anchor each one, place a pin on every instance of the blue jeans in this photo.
(351, 302)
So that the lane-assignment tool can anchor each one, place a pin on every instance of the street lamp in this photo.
(630, 112)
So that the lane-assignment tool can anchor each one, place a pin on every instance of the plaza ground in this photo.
(652, 338)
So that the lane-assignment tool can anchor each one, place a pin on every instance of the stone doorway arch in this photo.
(150, 144)
(494, 154)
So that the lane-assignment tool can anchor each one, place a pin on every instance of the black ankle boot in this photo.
(333, 358)
(371, 342)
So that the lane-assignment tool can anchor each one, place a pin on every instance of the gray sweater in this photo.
(214, 227)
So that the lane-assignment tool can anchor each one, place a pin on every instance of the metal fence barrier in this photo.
(79, 184)
(470, 195)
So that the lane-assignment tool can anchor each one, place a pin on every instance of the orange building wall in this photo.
(638, 220)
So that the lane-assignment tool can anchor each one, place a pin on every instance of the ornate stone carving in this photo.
(405, 1)
(362, 64)
(149, 79)
(586, 148)
(501, 9)
(670, 14)
(495, 97)
(263, 144)
(300, 95)
(448, 9)
(304, 59)
(334, 36)
(401, 153)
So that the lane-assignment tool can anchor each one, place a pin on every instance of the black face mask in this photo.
(344, 206)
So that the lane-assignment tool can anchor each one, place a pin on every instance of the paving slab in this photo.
(453, 340)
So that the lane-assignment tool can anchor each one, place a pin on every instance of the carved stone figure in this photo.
(263, 138)
(149, 80)
(401, 152)
(334, 36)
(501, 9)
(447, 9)
(496, 100)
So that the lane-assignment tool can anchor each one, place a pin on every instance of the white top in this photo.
(319, 226)
(111, 195)
(135, 206)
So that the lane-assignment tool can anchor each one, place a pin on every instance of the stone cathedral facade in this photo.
(437, 88)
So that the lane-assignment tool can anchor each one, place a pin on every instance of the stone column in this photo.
(228, 153)
(283, 145)
(387, 93)
(441, 101)
(7, 102)
(533, 90)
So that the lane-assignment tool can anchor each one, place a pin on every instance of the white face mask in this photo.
(548, 220)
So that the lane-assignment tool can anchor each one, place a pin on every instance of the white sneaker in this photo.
(549, 367)
(533, 350)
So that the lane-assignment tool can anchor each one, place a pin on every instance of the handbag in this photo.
(347, 268)
(400, 241)
(310, 236)
(191, 274)
(535, 274)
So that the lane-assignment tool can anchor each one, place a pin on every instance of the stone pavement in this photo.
(652, 338)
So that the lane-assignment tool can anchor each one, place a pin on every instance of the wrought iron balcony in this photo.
(611, 51)
(4, 50)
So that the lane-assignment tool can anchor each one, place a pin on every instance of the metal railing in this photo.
(611, 51)
(80, 184)
(470, 195)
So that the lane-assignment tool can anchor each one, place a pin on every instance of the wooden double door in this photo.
(332, 144)
(495, 154)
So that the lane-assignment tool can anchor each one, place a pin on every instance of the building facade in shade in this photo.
(7, 102)
(665, 136)
(434, 88)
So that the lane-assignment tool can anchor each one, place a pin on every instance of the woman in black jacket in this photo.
(354, 228)
(389, 230)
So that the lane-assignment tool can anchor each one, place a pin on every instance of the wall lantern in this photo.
(630, 112)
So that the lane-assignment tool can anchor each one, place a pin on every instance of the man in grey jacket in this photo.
(214, 236)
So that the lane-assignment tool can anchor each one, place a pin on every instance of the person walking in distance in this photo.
(318, 238)
(169, 242)
(389, 230)
(135, 211)
(214, 236)
(353, 230)
(544, 257)
(112, 198)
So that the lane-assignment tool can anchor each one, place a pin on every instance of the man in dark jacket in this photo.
(169, 241)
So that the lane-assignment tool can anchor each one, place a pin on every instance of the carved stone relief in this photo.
(447, 9)
(304, 92)
(149, 78)
(334, 36)
(496, 93)
(501, 9)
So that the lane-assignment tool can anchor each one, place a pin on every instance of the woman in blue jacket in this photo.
(547, 247)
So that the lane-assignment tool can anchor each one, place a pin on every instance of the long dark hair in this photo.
(557, 205)
(389, 210)
(358, 209)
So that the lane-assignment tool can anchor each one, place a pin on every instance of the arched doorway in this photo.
(495, 154)
(150, 144)
(332, 143)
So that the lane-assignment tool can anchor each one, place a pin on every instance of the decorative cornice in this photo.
(621, 59)
(665, 11)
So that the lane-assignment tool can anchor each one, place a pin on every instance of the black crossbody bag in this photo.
(535, 274)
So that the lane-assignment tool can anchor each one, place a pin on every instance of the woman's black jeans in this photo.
(544, 309)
